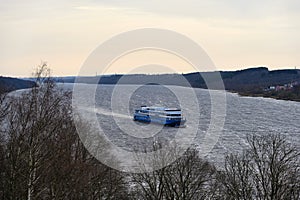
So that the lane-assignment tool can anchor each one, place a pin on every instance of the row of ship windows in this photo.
(169, 115)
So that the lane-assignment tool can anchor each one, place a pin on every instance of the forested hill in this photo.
(258, 78)
(10, 84)
(248, 79)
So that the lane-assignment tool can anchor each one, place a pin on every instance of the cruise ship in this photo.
(160, 115)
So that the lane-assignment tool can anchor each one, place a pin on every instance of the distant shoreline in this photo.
(254, 82)
(265, 95)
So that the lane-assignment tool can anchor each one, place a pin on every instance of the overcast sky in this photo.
(235, 34)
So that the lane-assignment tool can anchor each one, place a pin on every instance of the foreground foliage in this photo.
(42, 157)
(269, 169)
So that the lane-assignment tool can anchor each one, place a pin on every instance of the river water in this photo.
(114, 107)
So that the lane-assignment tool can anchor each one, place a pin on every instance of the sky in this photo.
(236, 34)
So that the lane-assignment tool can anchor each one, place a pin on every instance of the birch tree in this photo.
(44, 157)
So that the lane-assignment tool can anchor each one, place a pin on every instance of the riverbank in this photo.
(288, 95)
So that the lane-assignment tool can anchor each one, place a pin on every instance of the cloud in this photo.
(199, 9)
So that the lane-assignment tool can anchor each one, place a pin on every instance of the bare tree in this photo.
(151, 185)
(44, 157)
(237, 180)
(32, 120)
(276, 165)
(3, 112)
(189, 177)
(268, 170)
(4, 106)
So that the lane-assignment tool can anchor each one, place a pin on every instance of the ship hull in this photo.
(159, 120)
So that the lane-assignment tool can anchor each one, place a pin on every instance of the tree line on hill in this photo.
(42, 157)
(248, 82)
(251, 82)
(241, 80)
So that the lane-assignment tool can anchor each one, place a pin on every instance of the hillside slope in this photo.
(8, 84)
(248, 79)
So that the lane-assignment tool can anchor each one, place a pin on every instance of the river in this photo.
(114, 108)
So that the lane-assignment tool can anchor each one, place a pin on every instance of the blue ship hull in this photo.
(158, 120)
